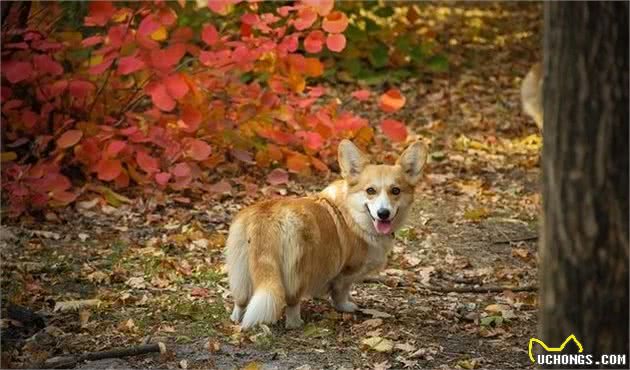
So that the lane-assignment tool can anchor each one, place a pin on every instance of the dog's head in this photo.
(379, 196)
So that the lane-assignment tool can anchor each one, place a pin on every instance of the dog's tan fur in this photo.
(280, 251)
(531, 94)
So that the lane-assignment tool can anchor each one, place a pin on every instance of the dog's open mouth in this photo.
(382, 227)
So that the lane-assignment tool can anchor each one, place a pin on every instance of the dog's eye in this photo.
(371, 191)
(395, 190)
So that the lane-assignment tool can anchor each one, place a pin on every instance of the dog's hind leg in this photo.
(238, 269)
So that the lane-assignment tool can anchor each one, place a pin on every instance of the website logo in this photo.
(553, 355)
(553, 349)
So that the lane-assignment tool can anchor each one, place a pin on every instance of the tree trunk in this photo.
(584, 249)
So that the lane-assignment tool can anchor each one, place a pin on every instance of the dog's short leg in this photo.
(341, 297)
(237, 313)
(294, 320)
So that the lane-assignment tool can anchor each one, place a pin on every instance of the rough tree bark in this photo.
(584, 271)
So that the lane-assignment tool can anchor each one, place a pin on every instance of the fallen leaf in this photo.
(375, 313)
(213, 346)
(127, 326)
(313, 331)
(75, 305)
(476, 214)
(489, 320)
(84, 317)
(372, 323)
(98, 277)
(379, 344)
(252, 366)
(199, 292)
(468, 363)
(137, 282)
(521, 253)
(406, 347)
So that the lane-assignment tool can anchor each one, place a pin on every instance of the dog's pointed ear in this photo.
(412, 160)
(351, 160)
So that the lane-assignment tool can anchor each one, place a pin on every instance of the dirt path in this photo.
(156, 267)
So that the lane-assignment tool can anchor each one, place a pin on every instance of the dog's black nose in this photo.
(383, 214)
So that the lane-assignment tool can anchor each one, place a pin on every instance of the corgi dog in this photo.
(283, 250)
(531, 94)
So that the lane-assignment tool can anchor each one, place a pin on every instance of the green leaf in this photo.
(371, 26)
(354, 66)
(379, 57)
(78, 55)
(438, 63)
(375, 78)
(416, 54)
(400, 74)
(355, 34)
(403, 43)
(385, 12)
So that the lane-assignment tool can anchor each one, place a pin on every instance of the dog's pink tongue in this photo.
(383, 227)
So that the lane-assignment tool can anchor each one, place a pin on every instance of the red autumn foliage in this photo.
(145, 100)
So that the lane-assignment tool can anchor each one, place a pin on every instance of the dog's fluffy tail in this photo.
(266, 304)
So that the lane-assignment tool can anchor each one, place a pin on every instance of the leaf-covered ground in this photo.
(152, 271)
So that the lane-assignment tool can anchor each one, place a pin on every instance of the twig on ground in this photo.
(510, 241)
(488, 289)
(71, 361)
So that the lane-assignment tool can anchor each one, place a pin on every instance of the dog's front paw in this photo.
(293, 323)
(346, 306)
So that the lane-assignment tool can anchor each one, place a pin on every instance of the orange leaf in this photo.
(64, 197)
(221, 187)
(274, 153)
(391, 101)
(108, 169)
(69, 138)
(364, 136)
(114, 147)
(297, 163)
(191, 117)
(160, 97)
(395, 130)
(306, 17)
(361, 95)
(146, 162)
(319, 165)
(176, 86)
(313, 67)
(181, 170)
(312, 140)
(160, 34)
(199, 150)
(209, 34)
(335, 22)
(162, 178)
(336, 42)
(323, 7)
(296, 82)
(314, 42)
(278, 177)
